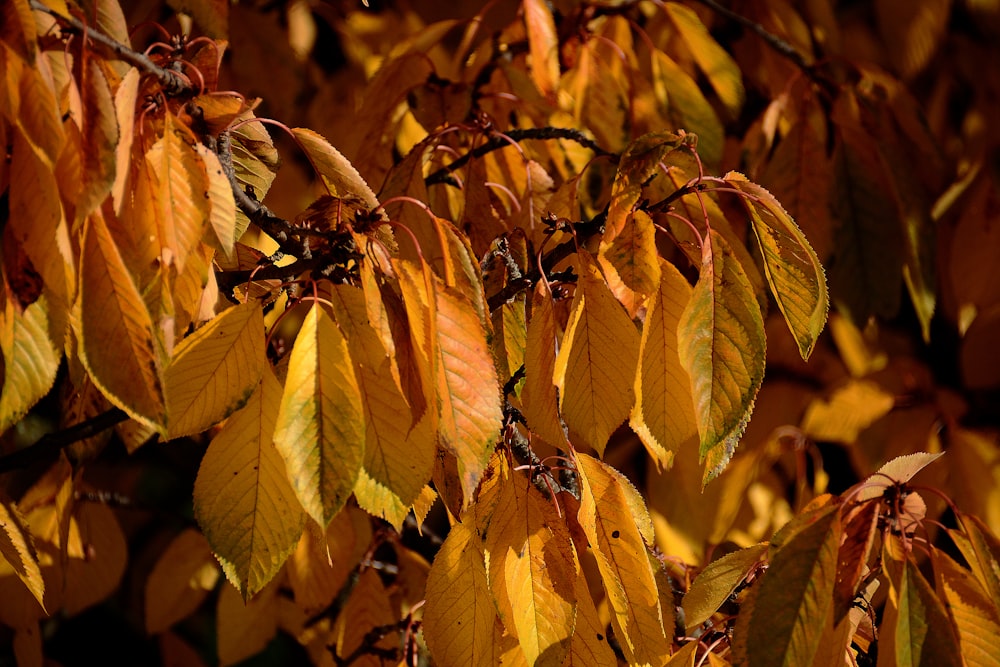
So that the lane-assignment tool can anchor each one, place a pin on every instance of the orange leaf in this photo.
(184, 575)
(539, 399)
(116, 337)
(543, 43)
(631, 262)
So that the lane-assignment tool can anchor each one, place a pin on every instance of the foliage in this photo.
(484, 380)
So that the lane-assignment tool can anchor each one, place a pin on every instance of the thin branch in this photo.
(443, 174)
(49, 445)
(173, 83)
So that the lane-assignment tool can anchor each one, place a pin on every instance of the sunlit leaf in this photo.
(791, 266)
(686, 106)
(320, 428)
(899, 470)
(368, 607)
(847, 412)
(595, 367)
(663, 414)
(631, 263)
(539, 398)
(589, 646)
(222, 216)
(116, 335)
(242, 497)
(184, 574)
(544, 46)
(623, 562)
(531, 569)
(18, 549)
(30, 360)
(639, 163)
(974, 614)
(215, 370)
(795, 594)
(713, 586)
(338, 174)
(719, 68)
(721, 344)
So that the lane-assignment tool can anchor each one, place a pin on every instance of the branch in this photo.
(173, 82)
(51, 444)
(443, 174)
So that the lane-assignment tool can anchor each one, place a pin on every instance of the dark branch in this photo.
(173, 83)
(443, 174)
(48, 446)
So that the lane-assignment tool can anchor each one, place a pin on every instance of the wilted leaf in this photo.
(713, 586)
(595, 368)
(242, 497)
(184, 575)
(320, 429)
(663, 414)
(791, 266)
(721, 344)
(623, 562)
(215, 370)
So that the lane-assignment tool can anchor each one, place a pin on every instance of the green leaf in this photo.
(320, 429)
(215, 370)
(716, 583)
(793, 598)
(721, 344)
(791, 266)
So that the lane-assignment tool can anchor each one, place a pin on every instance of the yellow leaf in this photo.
(322, 561)
(244, 627)
(589, 646)
(685, 657)
(721, 344)
(531, 565)
(367, 608)
(792, 268)
(29, 359)
(182, 209)
(100, 136)
(595, 368)
(222, 206)
(663, 414)
(686, 106)
(460, 613)
(972, 611)
(399, 454)
(17, 29)
(184, 575)
(719, 68)
(639, 164)
(611, 527)
(215, 370)
(631, 262)
(543, 44)
(242, 497)
(851, 409)
(18, 549)
(96, 570)
(38, 116)
(338, 174)
(320, 430)
(539, 399)
(125, 99)
(116, 331)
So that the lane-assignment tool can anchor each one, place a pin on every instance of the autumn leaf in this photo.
(215, 370)
(792, 268)
(339, 176)
(595, 367)
(184, 574)
(663, 413)
(721, 344)
(460, 613)
(243, 500)
(320, 429)
(531, 567)
(539, 398)
(30, 360)
(630, 262)
(713, 585)
(544, 46)
(18, 549)
(128, 373)
(625, 569)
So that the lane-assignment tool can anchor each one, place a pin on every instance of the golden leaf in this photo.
(184, 574)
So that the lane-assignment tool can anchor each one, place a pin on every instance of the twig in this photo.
(443, 174)
(49, 445)
(172, 82)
